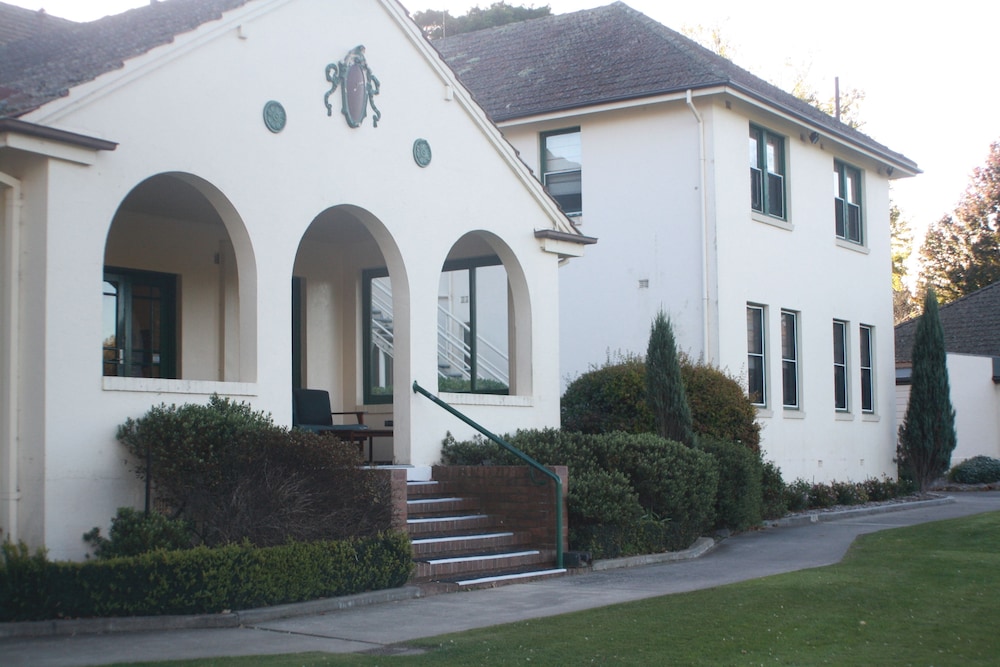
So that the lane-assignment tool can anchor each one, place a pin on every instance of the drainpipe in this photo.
(9, 494)
(705, 297)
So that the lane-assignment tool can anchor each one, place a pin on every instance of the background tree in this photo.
(712, 38)
(927, 435)
(850, 99)
(437, 23)
(904, 306)
(961, 252)
(665, 384)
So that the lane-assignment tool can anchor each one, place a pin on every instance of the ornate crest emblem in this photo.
(357, 87)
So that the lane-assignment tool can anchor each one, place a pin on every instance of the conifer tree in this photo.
(927, 435)
(665, 385)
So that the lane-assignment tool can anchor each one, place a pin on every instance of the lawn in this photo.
(925, 595)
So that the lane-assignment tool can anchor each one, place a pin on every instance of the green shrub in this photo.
(797, 495)
(720, 407)
(675, 486)
(774, 501)
(200, 580)
(977, 470)
(233, 475)
(613, 398)
(609, 398)
(134, 532)
(739, 498)
(848, 493)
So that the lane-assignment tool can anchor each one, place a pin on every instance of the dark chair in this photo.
(311, 412)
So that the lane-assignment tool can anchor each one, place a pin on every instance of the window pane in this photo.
(840, 387)
(381, 342)
(839, 352)
(867, 371)
(774, 149)
(567, 189)
(109, 328)
(776, 195)
(840, 365)
(756, 379)
(789, 360)
(754, 149)
(562, 152)
(491, 343)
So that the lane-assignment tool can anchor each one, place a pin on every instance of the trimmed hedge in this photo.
(198, 581)
(738, 502)
(628, 493)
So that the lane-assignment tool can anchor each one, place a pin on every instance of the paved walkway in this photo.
(379, 627)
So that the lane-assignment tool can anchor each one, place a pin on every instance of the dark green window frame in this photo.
(841, 378)
(866, 334)
(562, 174)
(377, 361)
(847, 202)
(140, 324)
(476, 356)
(767, 173)
(757, 354)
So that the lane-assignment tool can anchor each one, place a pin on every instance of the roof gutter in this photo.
(24, 128)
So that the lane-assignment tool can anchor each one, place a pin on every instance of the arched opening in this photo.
(484, 319)
(348, 336)
(179, 290)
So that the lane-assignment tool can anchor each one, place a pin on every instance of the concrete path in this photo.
(794, 545)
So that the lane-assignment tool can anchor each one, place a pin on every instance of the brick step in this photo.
(449, 505)
(504, 578)
(449, 525)
(463, 545)
(474, 566)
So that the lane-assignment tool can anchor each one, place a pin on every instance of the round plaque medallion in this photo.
(422, 152)
(274, 116)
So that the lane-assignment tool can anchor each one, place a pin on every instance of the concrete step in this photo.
(462, 545)
(449, 525)
(418, 508)
(475, 566)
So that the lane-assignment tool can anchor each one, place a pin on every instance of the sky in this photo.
(925, 72)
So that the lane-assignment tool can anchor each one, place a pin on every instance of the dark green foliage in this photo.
(738, 501)
(849, 494)
(134, 532)
(977, 470)
(665, 385)
(774, 502)
(802, 495)
(719, 406)
(797, 495)
(234, 476)
(483, 385)
(927, 434)
(628, 493)
(609, 398)
(613, 398)
(437, 23)
(200, 580)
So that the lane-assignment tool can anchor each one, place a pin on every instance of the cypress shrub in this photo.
(927, 434)
(665, 385)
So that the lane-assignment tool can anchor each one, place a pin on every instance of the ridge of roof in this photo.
(44, 61)
(549, 64)
(971, 326)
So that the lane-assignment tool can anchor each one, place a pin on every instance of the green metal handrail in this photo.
(417, 389)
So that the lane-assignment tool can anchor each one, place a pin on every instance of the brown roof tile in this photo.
(604, 55)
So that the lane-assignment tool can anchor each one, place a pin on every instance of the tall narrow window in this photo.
(789, 359)
(378, 336)
(139, 324)
(562, 169)
(847, 202)
(867, 368)
(840, 366)
(756, 378)
(767, 172)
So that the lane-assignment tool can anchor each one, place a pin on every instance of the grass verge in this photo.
(924, 595)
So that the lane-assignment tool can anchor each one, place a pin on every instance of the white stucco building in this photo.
(971, 327)
(763, 268)
(227, 196)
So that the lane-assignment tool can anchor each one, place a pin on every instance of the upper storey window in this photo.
(847, 202)
(561, 169)
(767, 172)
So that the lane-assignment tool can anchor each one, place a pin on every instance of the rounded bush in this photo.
(720, 407)
(609, 398)
(774, 503)
(977, 470)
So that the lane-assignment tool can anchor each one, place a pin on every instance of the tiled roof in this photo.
(42, 57)
(604, 55)
(971, 326)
